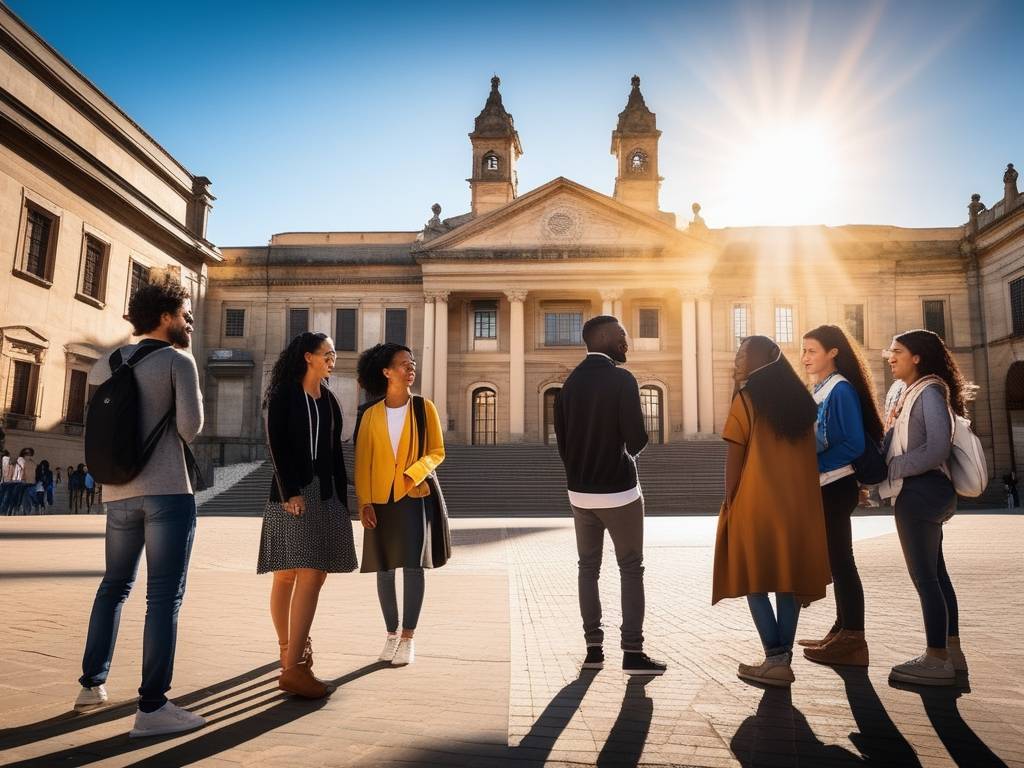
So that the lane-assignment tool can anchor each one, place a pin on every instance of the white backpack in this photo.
(968, 469)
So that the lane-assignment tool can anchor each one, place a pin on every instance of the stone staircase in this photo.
(528, 481)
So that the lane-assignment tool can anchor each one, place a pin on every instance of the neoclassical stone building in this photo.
(492, 301)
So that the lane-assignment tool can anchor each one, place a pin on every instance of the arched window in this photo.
(549, 415)
(491, 162)
(638, 161)
(651, 404)
(485, 417)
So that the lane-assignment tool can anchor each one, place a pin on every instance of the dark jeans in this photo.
(90, 497)
(840, 500)
(626, 527)
(412, 597)
(777, 629)
(924, 504)
(165, 526)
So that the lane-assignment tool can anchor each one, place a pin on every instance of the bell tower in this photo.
(496, 148)
(635, 144)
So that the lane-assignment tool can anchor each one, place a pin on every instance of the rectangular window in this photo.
(93, 263)
(395, 325)
(1017, 305)
(485, 320)
(139, 278)
(345, 331)
(21, 389)
(783, 325)
(76, 398)
(38, 232)
(648, 324)
(935, 317)
(853, 319)
(234, 322)
(298, 322)
(740, 323)
(563, 329)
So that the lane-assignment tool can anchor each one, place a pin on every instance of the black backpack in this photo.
(114, 450)
(870, 467)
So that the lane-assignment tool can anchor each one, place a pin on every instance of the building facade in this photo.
(90, 205)
(492, 301)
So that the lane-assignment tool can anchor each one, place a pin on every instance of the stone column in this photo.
(689, 323)
(440, 388)
(608, 297)
(516, 365)
(705, 364)
(427, 358)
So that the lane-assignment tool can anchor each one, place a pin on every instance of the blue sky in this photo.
(334, 116)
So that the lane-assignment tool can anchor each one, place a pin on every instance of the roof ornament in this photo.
(1010, 185)
(698, 220)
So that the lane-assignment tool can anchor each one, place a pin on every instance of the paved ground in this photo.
(497, 679)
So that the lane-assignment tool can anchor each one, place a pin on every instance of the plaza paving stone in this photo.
(497, 681)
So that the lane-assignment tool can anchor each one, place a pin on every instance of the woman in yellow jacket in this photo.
(392, 492)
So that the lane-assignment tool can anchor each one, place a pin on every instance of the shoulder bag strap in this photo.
(419, 412)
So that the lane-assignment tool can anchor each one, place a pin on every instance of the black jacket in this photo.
(599, 425)
(288, 437)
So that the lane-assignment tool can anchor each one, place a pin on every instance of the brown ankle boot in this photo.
(300, 681)
(847, 648)
(307, 654)
(808, 643)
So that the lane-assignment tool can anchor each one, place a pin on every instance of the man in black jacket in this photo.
(600, 429)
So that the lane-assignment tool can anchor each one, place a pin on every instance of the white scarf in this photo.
(899, 420)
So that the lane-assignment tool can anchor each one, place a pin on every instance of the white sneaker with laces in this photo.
(170, 718)
(91, 697)
(925, 670)
(387, 653)
(406, 653)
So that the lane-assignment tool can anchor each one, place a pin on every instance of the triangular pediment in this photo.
(562, 214)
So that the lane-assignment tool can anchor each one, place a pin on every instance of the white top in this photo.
(396, 423)
(605, 500)
(19, 470)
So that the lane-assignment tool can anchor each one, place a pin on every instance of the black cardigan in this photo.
(599, 425)
(288, 437)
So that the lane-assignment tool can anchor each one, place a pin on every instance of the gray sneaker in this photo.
(91, 697)
(170, 718)
(775, 671)
(925, 670)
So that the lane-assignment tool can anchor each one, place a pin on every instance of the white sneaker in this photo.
(387, 653)
(406, 653)
(170, 718)
(925, 670)
(91, 697)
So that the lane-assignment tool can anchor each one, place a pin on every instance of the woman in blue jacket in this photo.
(847, 419)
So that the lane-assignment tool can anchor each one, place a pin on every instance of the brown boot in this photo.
(846, 648)
(808, 643)
(300, 681)
(307, 654)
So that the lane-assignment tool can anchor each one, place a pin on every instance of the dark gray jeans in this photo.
(625, 525)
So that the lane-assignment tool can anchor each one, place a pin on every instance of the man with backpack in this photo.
(147, 407)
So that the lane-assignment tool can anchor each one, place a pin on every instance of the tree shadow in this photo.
(878, 739)
(210, 740)
(779, 735)
(963, 744)
(626, 740)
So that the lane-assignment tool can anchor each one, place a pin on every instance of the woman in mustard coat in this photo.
(395, 505)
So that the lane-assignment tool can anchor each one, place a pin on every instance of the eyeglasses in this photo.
(328, 355)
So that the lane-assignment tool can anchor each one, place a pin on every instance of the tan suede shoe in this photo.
(847, 648)
(774, 671)
(300, 681)
(808, 643)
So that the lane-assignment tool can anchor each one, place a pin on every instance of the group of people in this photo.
(28, 487)
(791, 474)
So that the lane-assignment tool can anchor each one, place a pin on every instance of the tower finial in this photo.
(495, 82)
(635, 80)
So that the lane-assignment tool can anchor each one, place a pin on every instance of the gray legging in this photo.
(924, 504)
(412, 597)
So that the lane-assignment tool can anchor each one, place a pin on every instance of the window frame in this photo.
(485, 308)
(31, 390)
(792, 325)
(660, 415)
(548, 420)
(737, 338)
(489, 419)
(640, 322)
(84, 378)
(226, 323)
(569, 340)
(485, 162)
(32, 204)
(289, 325)
(99, 299)
(355, 329)
(405, 326)
(944, 303)
(1015, 329)
(862, 320)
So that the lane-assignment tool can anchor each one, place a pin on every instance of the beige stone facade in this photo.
(89, 204)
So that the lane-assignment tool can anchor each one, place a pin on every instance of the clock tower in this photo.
(496, 148)
(635, 144)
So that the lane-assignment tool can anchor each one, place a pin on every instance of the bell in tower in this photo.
(496, 148)
(635, 144)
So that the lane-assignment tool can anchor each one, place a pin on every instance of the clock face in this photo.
(637, 161)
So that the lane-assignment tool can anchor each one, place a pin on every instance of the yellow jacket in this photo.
(378, 472)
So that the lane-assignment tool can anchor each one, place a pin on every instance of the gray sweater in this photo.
(929, 436)
(165, 377)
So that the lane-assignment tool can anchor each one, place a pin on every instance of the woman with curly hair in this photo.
(391, 471)
(918, 442)
(306, 528)
(771, 530)
(847, 419)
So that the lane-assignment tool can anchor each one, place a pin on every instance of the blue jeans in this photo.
(165, 526)
(777, 632)
(412, 594)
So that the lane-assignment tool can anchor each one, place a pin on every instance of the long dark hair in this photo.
(778, 394)
(371, 365)
(291, 364)
(936, 359)
(850, 363)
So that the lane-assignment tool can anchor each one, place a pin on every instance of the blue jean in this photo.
(412, 597)
(165, 526)
(777, 632)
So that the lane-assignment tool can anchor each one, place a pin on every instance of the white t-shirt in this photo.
(396, 424)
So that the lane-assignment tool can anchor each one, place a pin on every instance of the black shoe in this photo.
(595, 658)
(639, 663)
